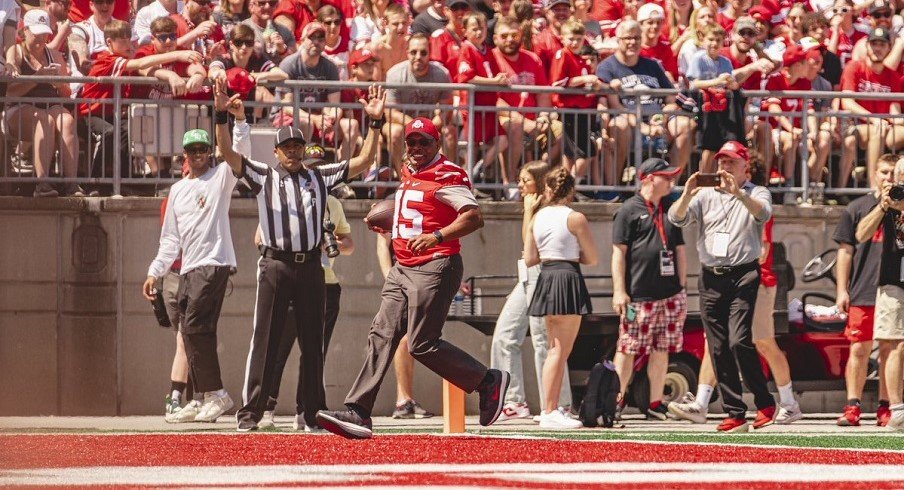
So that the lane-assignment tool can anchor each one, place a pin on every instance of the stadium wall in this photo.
(77, 337)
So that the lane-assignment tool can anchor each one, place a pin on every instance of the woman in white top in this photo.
(559, 240)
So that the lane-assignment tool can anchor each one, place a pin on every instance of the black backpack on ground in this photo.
(598, 407)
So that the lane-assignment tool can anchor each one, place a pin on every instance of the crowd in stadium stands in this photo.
(708, 49)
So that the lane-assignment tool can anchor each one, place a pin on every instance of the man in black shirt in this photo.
(430, 20)
(648, 278)
(857, 273)
(888, 217)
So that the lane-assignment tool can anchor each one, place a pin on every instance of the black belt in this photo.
(724, 270)
(290, 257)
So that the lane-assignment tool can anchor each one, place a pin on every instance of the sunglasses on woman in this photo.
(248, 43)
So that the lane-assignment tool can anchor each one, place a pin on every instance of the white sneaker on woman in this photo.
(558, 420)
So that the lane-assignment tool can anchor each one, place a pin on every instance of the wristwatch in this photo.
(439, 236)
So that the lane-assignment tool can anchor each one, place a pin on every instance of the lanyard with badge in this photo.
(721, 238)
(666, 257)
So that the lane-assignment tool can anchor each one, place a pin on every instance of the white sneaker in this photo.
(558, 420)
(298, 422)
(267, 421)
(185, 414)
(213, 407)
(512, 411)
(787, 414)
(688, 409)
(896, 422)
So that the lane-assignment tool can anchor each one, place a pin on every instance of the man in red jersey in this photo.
(434, 208)
(549, 40)
(652, 43)
(445, 43)
(871, 76)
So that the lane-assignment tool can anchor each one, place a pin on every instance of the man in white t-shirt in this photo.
(141, 31)
(86, 41)
(197, 223)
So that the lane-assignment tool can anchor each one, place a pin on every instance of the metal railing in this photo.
(136, 139)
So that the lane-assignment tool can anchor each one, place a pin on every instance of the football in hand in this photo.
(381, 215)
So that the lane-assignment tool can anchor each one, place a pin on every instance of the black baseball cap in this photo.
(657, 166)
(880, 34)
(452, 3)
(289, 133)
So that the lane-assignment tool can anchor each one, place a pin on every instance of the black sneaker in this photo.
(346, 423)
(411, 410)
(492, 396)
(659, 413)
(246, 425)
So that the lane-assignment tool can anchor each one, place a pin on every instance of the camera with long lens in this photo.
(896, 193)
(330, 242)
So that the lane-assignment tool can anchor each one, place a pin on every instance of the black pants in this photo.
(278, 284)
(726, 307)
(331, 314)
(200, 298)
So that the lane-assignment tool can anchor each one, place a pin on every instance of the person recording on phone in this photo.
(731, 217)
(649, 275)
(888, 326)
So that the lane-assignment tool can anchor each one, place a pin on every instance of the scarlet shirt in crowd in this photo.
(845, 44)
(302, 14)
(421, 209)
(662, 52)
(858, 77)
(528, 70)
(80, 10)
(546, 43)
(755, 80)
(445, 48)
(106, 65)
(565, 66)
(777, 82)
(472, 62)
(162, 91)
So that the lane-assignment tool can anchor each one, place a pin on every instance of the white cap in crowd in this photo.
(649, 11)
(37, 21)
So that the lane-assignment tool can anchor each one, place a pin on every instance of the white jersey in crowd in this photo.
(554, 240)
(94, 38)
(197, 223)
(141, 29)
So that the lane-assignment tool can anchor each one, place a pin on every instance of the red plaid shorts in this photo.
(658, 326)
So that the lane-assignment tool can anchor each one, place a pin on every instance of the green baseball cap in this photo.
(194, 136)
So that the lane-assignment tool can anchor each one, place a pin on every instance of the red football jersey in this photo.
(527, 70)
(106, 65)
(755, 80)
(445, 48)
(858, 77)
(777, 82)
(565, 66)
(662, 53)
(418, 210)
(302, 14)
(80, 10)
(474, 63)
(846, 44)
(546, 43)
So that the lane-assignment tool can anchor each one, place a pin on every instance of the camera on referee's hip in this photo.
(330, 242)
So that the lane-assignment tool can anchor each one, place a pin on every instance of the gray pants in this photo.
(415, 300)
(511, 328)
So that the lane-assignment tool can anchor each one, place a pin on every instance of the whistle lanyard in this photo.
(657, 220)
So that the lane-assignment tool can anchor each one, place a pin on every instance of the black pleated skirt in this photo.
(560, 290)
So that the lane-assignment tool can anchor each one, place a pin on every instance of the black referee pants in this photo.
(726, 307)
(331, 314)
(279, 283)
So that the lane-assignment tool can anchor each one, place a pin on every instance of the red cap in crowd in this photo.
(359, 56)
(761, 14)
(733, 149)
(239, 81)
(423, 126)
(794, 54)
(311, 28)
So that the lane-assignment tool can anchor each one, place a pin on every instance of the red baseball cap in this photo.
(239, 81)
(359, 56)
(422, 125)
(794, 54)
(762, 14)
(733, 149)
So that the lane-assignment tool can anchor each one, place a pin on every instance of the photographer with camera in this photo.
(888, 216)
(731, 214)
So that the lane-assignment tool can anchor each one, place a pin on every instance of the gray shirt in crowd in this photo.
(260, 45)
(325, 69)
(702, 67)
(401, 74)
(718, 212)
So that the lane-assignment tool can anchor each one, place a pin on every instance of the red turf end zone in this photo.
(416, 460)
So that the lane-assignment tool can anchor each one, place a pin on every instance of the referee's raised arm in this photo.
(373, 106)
(223, 104)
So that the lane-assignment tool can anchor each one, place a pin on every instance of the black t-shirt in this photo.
(865, 267)
(831, 68)
(634, 227)
(427, 24)
(891, 268)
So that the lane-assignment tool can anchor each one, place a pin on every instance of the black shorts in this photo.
(200, 296)
(718, 128)
(580, 134)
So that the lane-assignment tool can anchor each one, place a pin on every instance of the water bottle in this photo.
(458, 304)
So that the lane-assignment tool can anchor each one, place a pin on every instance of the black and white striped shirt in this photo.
(292, 205)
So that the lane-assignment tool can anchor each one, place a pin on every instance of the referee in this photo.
(291, 204)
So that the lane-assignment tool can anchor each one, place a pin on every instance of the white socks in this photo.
(704, 393)
(897, 408)
(221, 392)
(176, 395)
(786, 395)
